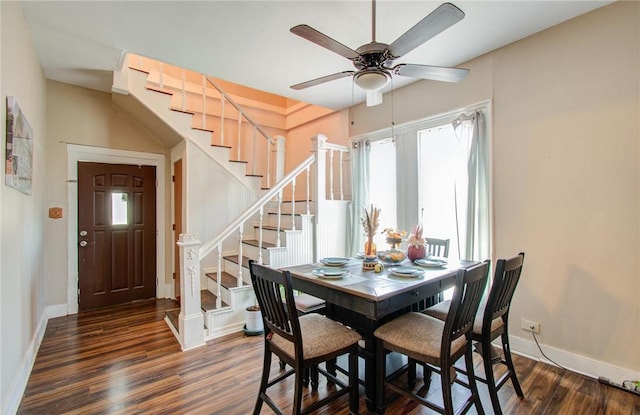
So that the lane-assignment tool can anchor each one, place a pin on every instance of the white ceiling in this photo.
(249, 43)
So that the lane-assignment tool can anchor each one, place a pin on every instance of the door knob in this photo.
(83, 243)
(83, 233)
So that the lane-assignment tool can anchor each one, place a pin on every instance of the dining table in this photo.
(365, 299)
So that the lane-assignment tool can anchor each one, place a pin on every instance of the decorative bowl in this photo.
(392, 256)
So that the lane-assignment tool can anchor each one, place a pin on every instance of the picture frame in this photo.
(19, 149)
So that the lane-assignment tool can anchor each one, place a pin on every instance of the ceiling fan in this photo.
(373, 60)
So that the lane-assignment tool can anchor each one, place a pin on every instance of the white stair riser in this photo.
(285, 220)
(212, 286)
(271, 236)
(286, 207)
(232, 268)
(253, 252)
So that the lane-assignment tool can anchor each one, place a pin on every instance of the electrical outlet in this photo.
(529, 325)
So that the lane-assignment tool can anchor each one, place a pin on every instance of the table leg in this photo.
(370, 367)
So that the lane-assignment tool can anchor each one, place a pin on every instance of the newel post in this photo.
(191, 320)
(319, 187)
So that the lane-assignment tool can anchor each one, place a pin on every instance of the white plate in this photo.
(334, 262)
(406, 272)
(329, 273)
(360, 255)
(430, 263)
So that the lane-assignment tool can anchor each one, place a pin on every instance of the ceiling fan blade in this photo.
(322, 80)
(319, 38)
(435, 73)
(445, 16)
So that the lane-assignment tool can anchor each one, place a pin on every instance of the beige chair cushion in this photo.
(307, 303)
(441, 310)
(320, 336)
(417, 335)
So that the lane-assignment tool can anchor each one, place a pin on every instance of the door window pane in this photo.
(118, 208)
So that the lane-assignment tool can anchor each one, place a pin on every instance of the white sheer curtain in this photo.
(360, 150)
(472, 213)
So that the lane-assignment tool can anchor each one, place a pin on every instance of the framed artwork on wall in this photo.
(19, 145)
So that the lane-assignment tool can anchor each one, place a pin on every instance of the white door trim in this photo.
(76, 153)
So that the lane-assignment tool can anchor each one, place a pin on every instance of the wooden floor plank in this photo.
(125, 360)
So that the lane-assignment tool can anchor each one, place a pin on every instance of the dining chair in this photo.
(302, 342)
(436, 344)
(492, 322)
(437, 247)
(306, 303)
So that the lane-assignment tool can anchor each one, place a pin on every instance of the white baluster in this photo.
(331, 174)
(308, 191)
(260, 238)
(219, 278)
(240, 257)
(341, 181)
(268, 163)
(279, 218)
(161, 79)
(239, 133)
(293, 204)
(255, 150)
(222, 120)
(183, 93)
(204, 102)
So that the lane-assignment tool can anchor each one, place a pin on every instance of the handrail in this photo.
(208, 247)
(240, 111)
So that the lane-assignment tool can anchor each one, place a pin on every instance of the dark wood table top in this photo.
(375, 294)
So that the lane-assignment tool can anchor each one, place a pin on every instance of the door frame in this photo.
(76, 153)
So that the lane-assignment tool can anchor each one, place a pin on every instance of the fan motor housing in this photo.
(372, 55)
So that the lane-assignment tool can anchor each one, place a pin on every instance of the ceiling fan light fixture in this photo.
(372, 80)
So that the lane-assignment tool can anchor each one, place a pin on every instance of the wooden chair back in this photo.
(470, 284)
(437, 247)
(505, 281)
(279, 314)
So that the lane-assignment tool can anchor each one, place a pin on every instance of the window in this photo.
(442, 161)
(382, 185)
(118, 208)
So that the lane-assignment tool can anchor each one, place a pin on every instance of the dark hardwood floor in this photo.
(125, 360)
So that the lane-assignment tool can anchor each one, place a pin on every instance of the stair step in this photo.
(183, 111)
(228, 280)
(150, 88)
(255, 243)
(173, 315)
(208, 301)
(269, 228)
(234, 259)
(203, 129)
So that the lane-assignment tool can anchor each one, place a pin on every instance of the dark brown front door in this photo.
(117, 233)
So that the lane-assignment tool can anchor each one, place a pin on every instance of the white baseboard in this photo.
(574, 362)
(53, 311)
(16, 391)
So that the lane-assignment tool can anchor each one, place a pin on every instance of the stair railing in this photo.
(185, 82)
(237, 226)
(256, 129)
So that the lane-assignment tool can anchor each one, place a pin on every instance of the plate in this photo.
(360, 255)
(406, 272)
(329, 273)
(430, 263)
(334, 262)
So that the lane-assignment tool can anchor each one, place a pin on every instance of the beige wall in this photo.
(22, 217)
(82, 116)
(566, 129)
(298, 145)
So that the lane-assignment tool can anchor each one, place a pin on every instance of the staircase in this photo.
(253, 220)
